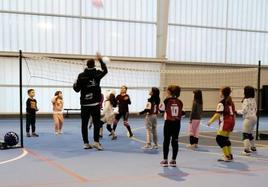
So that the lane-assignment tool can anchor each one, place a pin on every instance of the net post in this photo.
(20, 87)
(258, 99)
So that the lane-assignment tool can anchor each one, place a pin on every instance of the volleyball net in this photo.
(50, 74)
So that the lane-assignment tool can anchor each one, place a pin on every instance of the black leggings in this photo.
(223, 141)
(94, 112)
(171, 131)
(125, 118)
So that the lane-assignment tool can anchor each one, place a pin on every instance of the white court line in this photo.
(210, 153)
(23, 154)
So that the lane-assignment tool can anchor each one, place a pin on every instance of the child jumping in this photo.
(57, 102)
(249, 110)
(172, 114)
(151, 110)
(225, 113)
(123, 101)
(195, 118)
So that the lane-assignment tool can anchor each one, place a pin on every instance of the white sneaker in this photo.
(147, 146)
(98, 146)
(87, 146)
(155, 146)
(245, 153)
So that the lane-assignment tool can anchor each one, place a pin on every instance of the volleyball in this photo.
(97, 3)
(106, 59)
(11, 139)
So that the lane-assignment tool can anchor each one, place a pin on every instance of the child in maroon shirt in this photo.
(123, 101)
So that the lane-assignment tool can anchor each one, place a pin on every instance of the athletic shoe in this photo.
(173, 163)
(87, 146)
(246, 152)
(225, 159)
(98, 146)
(164, 163)
(34, 134)
(90, 126)
(147, 146)
(253, 149)
(28, 135)
(155, 146)
(130, 134)
(114, 137)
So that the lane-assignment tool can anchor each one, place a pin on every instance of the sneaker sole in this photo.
(147, 148)
(222, 160)
(87, 147)
(245, 154)
(98, 148)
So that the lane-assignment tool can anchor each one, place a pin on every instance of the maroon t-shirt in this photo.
(173, 109)
(123, 102)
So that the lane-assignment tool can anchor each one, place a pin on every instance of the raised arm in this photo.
(104, 69)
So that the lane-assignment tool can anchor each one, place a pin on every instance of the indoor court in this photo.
(51, 160)
(156, 74)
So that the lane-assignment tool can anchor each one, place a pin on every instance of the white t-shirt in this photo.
(249, 108)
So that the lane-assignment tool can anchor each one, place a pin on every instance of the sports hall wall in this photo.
(138, 75)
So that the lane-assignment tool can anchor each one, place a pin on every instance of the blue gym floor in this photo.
(59, 160)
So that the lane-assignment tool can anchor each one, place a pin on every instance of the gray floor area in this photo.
(51, 160)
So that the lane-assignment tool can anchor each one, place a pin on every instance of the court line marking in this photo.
(159, 176)
(23, 154)
(232, 140)
(58, 166)
(207, 136)
(211, 153)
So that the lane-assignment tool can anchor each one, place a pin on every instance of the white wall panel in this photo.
(70, 7)
(248, 14)
(207, 38)
(118, 38)
(139, 10)
(198, 12)
(52, 34)
(40, 34)
(247, 47)
(196, 44)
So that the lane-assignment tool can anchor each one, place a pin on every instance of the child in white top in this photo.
(108, 112)
(249, 110)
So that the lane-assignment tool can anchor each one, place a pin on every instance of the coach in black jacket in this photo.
(88, 84)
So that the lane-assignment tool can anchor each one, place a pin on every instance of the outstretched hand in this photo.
(98, 56)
